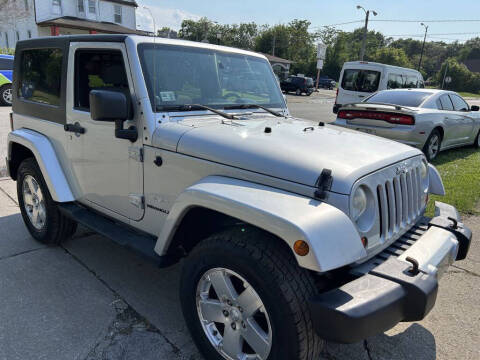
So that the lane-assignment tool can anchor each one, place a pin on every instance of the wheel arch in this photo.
(25, 143)
(217, 201)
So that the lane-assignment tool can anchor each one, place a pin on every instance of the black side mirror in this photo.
(475, 108)
(107, 105)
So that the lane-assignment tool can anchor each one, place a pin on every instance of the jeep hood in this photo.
(294, 150)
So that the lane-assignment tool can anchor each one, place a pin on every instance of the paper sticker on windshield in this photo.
(167, 95)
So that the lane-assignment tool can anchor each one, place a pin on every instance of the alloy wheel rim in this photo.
(233, 316)
(34, 202)
(433, 146)
(7, 96)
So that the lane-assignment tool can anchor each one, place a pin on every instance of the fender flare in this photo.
(333, 239)
(47, 160)
(436, 184)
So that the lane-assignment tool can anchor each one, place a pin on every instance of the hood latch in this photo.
(323, 184)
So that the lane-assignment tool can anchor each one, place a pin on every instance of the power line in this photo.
(430, 35)
(405, 21)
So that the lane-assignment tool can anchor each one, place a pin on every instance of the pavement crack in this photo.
(21, 253)
(127, 317)
(367, 349)
(9, 196)
(467, 271)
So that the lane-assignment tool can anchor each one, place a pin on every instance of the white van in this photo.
(360, 79)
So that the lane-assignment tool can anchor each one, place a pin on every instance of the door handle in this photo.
(75, 128)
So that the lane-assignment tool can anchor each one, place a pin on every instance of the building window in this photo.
(57, 7)
(26, 5)
(92, 6)
(81, 6)
(118, 13)
(29, 32)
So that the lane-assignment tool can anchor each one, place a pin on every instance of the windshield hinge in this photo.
(323, 184)
(135, 153)
(137, 200)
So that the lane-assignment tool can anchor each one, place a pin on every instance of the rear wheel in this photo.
(40, 213)
(6, 95)
(244, 297)
(433, 145)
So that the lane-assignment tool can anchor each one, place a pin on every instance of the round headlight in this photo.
(424, 170)
(359, 203)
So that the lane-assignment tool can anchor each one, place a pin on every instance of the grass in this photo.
(460, 170)
(469, 95)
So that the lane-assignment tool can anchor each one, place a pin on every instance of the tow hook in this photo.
(414, 269)
(454, 226)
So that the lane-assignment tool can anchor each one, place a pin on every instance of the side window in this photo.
(98, 70)
(395, 81)
(411, 82)
(6, 64)
(458, 103)
(41, 74)
(446, 103)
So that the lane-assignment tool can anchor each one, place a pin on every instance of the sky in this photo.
(171, 13)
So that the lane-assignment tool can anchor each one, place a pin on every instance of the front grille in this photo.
(399, 200)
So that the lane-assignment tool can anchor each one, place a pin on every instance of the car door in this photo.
(108, 171)
(357, 84)
(450, 121)
(463, 118)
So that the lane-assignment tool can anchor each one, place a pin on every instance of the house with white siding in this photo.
(25, 19)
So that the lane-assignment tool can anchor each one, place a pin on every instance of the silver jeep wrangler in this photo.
(290, 233)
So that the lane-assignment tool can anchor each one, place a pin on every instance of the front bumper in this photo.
(401, 284)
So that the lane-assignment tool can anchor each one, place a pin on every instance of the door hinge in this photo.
(135, 153)
(137, 200)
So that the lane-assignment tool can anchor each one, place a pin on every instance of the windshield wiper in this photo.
(193, 107)
(253, 106)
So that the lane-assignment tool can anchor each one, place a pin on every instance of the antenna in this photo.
(154, 59)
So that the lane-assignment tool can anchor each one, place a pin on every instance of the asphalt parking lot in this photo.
(91, 299)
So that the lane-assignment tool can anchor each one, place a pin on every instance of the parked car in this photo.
(360, 79)
(326, 82)
(431, 120)
(289, 232)
(299, 85)
(6, 75)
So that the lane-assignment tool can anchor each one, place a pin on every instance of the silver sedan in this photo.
(431, 120)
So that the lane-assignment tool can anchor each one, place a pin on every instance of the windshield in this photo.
(187, 75)
(403, 98)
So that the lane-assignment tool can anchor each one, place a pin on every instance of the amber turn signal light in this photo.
(301, 248)
(365, 242)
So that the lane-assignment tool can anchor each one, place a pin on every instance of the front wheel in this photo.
(6, 95)
(244, 297)
(433, 145)
(298, 92)
(477, 141)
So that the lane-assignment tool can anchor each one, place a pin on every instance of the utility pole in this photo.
(365, 29)
(274, 43)
(423, 46)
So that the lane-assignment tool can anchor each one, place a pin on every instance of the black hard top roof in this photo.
(63, 40)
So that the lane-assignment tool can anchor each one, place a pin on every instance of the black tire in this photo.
(57, 227)
(476, 144)
(435, 136)
(3, 95)
(298, 92)
(271, 269)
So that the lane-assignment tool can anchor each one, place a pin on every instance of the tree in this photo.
(462, 78)
(392, 56)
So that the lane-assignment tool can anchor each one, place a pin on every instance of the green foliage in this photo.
(7, 51)
(392, 56)
(462, 78)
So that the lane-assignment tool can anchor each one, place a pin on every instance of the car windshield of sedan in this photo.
(182, 75)
(402, 98)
